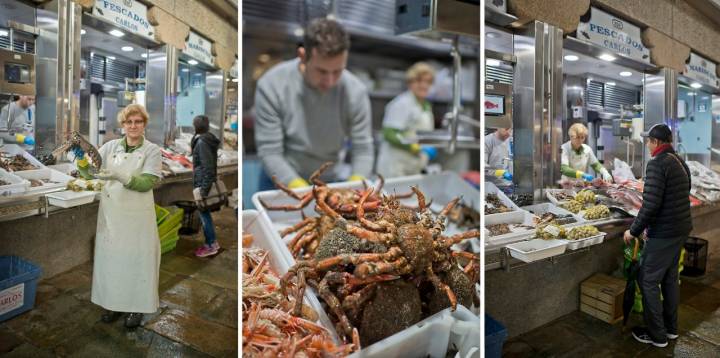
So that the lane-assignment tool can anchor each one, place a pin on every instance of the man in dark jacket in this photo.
(204, 153)
(665, 218)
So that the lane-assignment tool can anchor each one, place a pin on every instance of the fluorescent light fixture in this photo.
(299, 32)
(235, 80)
(492, 35)
(691, 94)
(606, 57)
(571, 58)
(82, 32)
(227, 80)
(143, 55)
(111, 58)
(192, 62)
(626, 73)
(4, 33)
(492, 62)
(127, 48)
(610, 83)
(185, 70)
(117, 33)
(695, 85)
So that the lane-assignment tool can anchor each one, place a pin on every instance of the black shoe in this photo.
(641, 335)
(133, 320)
(110, 316)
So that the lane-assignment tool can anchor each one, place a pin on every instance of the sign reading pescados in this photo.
(613, 34)
(127, 14)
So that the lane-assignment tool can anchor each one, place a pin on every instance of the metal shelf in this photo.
(498, 18)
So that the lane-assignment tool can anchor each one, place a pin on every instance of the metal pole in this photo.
(455, 52)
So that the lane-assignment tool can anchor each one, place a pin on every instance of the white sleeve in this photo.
(397, 115)
(564, 157)
(488, 150)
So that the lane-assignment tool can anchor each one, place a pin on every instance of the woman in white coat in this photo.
(577, 157)
(404, 115)
(126, 266)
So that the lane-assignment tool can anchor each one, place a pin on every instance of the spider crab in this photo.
(77, 140)
(415, 250)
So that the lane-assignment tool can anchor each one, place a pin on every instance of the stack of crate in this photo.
(169, 221)
(601, 296)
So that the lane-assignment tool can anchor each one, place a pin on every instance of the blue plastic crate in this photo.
(495, 335)
(18, 283)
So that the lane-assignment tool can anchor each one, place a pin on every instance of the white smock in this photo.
(582, 160)
(404, 113)
(497, 152)
(126, 267)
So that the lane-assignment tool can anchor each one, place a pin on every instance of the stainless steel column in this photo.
(537, 107)
(68, 80)
(161, 95)
(660, 104)
(215, 101)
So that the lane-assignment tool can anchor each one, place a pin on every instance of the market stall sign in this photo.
(12, 298)
(613, 34)
(702, 70)
(199, 48)
(126, 14)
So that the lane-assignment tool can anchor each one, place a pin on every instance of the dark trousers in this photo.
(659, 274)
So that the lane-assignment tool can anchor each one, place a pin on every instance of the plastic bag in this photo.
(622, 171)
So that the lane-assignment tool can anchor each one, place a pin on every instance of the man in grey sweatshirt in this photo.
(306, 108)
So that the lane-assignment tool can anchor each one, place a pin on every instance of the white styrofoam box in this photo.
(265, 238)
(17, 185)
(519, 217)
(68, 199)
(537, 249)
(59, 178)
(550, 194)
(588, 241)
(427, 338)
(490, 188)
(540, 209)
(465, 332)
(14, 149)
(65, 168)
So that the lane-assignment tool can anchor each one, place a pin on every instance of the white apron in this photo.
(576, 161)
(127, 247)
(395, 162)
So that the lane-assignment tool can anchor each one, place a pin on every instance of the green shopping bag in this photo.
(627, 253)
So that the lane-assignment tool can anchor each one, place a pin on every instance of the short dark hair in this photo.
(201, 124)
(327, 36)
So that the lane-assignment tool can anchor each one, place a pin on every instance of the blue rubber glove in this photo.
(79, 153)
(234, 126)
(431, 152)
(507, 176)
(29, 141)
(588, 177)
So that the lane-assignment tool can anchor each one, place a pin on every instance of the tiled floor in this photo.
(580, 335)
(197, 317)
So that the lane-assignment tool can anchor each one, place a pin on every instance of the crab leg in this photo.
(299, 235)
(346, 328)
(420, 197)
(299, 293)
(366, 269)
(297, 226)
(287, 190)
(439, 285)
(464, 254)
(320, 194)
(357, 259)
(315, 177)
(289, 207)
(368, 235)
(360, 213)
(352, 303)
(302, 242)
(449, 206)
(452, 240)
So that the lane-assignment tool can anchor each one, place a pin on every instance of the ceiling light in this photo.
(117, 33)
(691, 94)
(227, 80)
(235, 80)
(192, 62)
(127, 48)
(606, 57)
(571, 58)
(4, 33)
(143, 55)
(626, 73)
(695, 85)
(299, 32)
(492, 62)
(82, 32)
(185, 70)
(111, 58)
(610, 83)
(492, 35)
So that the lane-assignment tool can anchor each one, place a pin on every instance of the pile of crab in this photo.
(378, 266)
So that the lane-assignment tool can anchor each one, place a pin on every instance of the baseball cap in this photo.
(659, 131)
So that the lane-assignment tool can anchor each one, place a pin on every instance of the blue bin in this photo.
(18, 283)
(495, 335)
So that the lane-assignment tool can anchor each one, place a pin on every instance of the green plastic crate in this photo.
(160, 214)
(171, 221)
(170, 235)
(167, 247)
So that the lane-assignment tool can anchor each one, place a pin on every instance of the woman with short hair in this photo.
(577, 157)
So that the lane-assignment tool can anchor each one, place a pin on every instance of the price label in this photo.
(552, 230)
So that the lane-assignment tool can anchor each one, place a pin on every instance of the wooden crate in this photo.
(601, 296)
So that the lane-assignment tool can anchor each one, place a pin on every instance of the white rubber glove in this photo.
(123, 178)
(606, 175)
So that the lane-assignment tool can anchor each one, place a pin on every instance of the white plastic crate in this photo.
(65, 168)
(14, 149)
(490, 188)
(267, 239)
(537, 249)
(59, 178)
(69, 199)
(519, 217)
(588, 241)
(17, 185)
(541, 209)
(551, 194)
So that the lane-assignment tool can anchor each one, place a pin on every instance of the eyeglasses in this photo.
(136, 123)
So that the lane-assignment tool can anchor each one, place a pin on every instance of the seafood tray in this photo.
(14, 149)
(542, 209)
(520, 223)
(490, 188)
(440, 188)
(588, 241)
(556, 195)
(50, 179)
(266, 238)
(65, 168)
(537, 249)
(68, 199)
(431, 337)
(16, 184)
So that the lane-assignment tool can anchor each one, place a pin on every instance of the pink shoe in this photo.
(205, 251)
